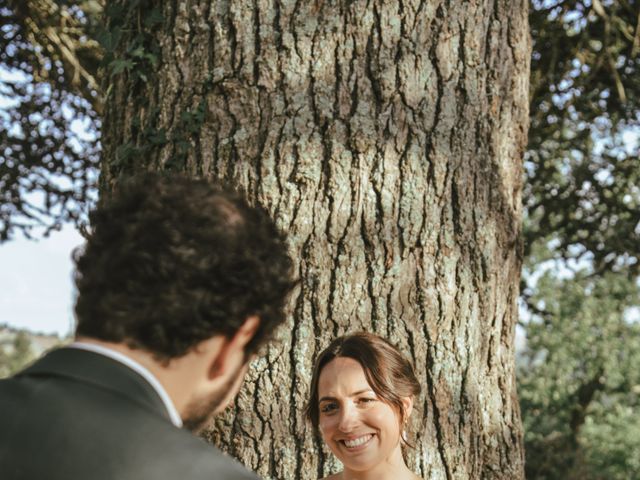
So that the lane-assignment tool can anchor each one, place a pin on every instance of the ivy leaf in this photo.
(157, 137)
(152, 58)
(109, 40)
(153, 18)
(138, 52)
(118, 66)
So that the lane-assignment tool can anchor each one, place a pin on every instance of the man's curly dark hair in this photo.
(172, 261)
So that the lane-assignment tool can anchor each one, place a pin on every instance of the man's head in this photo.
(172, 262)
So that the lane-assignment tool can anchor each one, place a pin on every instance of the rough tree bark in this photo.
(386, 137)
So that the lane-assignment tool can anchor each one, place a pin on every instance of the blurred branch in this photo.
(62, 34)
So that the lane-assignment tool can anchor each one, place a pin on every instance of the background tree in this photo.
(49, 118)
(15, 353)
(582, 206)
(582, 170)
(386, 138)
(579, 382)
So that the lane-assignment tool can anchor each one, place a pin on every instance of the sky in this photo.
(36, 282)
(36, 285)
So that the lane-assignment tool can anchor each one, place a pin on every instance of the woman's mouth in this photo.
(357, 442)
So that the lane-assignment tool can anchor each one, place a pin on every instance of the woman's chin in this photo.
(358, 461)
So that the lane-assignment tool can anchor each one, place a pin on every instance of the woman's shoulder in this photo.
(337, 476)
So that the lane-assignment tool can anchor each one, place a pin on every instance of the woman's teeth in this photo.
(356, 442)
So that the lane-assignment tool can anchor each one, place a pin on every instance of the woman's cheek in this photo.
(327, 424)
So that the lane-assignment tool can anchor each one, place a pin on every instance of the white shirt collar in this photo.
(140, 370)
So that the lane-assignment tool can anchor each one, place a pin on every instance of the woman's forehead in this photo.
(342, 376)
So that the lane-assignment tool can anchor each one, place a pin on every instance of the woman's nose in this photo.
(348, 419)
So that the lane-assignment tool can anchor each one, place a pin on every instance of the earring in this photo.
(405, 437)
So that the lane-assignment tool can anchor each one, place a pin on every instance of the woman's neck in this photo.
(392, 468)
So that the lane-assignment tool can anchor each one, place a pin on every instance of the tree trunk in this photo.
(386, 137)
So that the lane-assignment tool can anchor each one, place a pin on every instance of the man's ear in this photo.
(246, 332)
(233, 349)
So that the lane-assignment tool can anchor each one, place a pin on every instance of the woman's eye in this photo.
(328, 408)
(366, 400)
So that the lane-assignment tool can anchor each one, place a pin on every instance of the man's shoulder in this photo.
(106, 434)
(182, 455)
(159, 450)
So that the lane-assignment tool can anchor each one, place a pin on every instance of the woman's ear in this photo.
(407, 407)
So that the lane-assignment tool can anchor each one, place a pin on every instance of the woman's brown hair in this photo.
(387, 371)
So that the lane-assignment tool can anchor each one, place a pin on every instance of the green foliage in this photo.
(48, 86)
(16, 355)
(132, 49)
(190, 124)
(611, 439)
(135, 53)
(584, 139)
(51, 102)
(578, 379)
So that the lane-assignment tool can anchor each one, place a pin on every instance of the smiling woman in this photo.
(362, 394)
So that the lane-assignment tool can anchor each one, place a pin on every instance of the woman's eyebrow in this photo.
(366, 390)
(326, 399)
(359, 392)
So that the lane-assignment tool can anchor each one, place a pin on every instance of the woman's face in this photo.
(361, 429)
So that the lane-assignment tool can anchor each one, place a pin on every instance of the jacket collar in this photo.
(100, 371)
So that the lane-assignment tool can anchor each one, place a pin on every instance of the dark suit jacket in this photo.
(76, 415)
